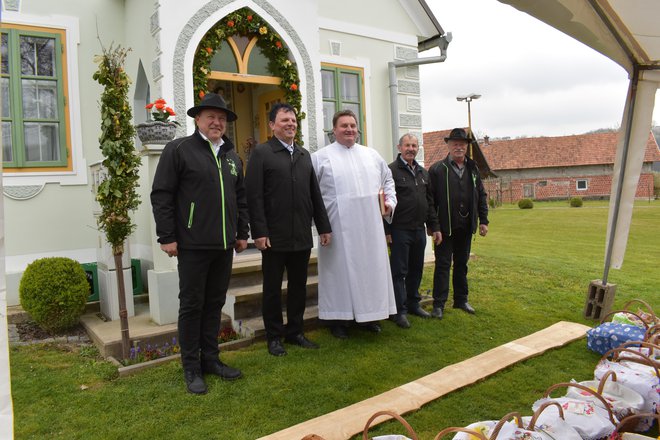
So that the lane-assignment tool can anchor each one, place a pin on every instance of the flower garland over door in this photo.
(247, 23)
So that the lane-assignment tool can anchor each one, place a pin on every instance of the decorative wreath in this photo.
(247, 23)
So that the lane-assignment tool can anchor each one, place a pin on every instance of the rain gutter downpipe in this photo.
(442, 42)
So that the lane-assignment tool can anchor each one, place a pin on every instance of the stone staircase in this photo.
(244, 298)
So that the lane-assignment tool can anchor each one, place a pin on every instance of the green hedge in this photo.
(576, 202)
(54, 292)
(525, 204)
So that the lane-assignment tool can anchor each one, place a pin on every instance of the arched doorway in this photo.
(244, 60)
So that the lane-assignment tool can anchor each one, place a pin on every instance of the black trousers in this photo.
(457, 248)
(407, 264)
(203, 282)
(273, 264)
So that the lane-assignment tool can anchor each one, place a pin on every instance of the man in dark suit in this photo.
(283, 198)
(462, 206)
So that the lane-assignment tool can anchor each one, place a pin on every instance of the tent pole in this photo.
(630, 105)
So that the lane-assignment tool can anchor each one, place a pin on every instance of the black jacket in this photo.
(283, 196)
(192, 205)
(414, 206)
(439, 175)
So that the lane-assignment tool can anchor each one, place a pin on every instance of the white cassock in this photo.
(355, 281)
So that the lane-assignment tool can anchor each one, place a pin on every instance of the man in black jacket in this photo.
(201, 216)
(283, 198)
(407, 234)
(460, 201)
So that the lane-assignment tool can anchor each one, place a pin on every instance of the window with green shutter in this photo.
(343, 89)
(34, 123)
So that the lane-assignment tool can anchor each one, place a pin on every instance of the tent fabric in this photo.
(625, 31)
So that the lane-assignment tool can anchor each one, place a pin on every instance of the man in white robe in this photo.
(355, 281)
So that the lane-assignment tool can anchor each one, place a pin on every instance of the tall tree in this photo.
(117, 193)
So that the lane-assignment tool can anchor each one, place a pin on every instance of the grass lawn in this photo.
(531, 271)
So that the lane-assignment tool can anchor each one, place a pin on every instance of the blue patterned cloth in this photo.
(610, 335)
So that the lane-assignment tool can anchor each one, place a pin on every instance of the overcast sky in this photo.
(534, 80)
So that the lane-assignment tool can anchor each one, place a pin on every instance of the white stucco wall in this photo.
(58, 220)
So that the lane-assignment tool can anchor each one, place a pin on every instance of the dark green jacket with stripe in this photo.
(442, 195)
(199, 200)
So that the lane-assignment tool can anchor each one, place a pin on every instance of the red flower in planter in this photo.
(294, 87)
(278, 44)
(209, 50)
(230, 23)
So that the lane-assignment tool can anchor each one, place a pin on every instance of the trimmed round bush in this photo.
(576, 202)
(54, 292)
(525, 204)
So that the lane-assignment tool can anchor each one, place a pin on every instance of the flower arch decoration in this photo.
(246, 22)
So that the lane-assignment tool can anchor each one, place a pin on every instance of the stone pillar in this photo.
(163, 278)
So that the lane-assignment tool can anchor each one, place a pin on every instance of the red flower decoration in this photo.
(249, 18)
(149, 106)
(230, 23)
(278, 44)
(170, 111)
(294, 87)
(201, 93)
(209, 50)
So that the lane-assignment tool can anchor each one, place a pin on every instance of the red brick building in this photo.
(546, 168)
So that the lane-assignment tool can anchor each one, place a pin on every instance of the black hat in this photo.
(212, 100)
(458, 134)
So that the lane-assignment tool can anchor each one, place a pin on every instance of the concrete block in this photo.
(109, 293)
(600, 299)
(164, 296)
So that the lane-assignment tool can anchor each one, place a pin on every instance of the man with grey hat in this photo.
(461, 203)
(200, 209)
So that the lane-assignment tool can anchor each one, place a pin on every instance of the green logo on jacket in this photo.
(232, 167)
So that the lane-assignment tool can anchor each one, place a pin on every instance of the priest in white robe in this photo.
(355, 281)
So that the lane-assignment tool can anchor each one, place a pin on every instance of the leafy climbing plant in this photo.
(117, 194)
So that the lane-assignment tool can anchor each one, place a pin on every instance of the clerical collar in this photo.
(216, 147)
(346, 146)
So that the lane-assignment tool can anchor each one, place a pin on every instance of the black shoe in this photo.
(466, 307)
(339, 331)
(402, 321)
(372, 327)
(223, 370)
(301, 340)
(276, 348)
(418, 311)
(437, 312)
(195, 382)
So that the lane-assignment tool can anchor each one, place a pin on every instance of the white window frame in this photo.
(577, 184)
(78, 173)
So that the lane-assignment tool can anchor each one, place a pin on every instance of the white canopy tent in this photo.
(627, 32)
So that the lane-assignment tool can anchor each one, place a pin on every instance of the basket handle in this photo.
(646, 326)
(601, 384)
(496, 429)
(587, 389)
(365, 432)
(638, 358)
(642, 302)
(446, 431)
(652, 333)
(632, 417)
(538, 412)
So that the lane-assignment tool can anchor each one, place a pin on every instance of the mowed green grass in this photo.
(532, 270)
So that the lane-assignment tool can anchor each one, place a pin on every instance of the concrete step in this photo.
(254, 327)
(247, 271)
(246, 302)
